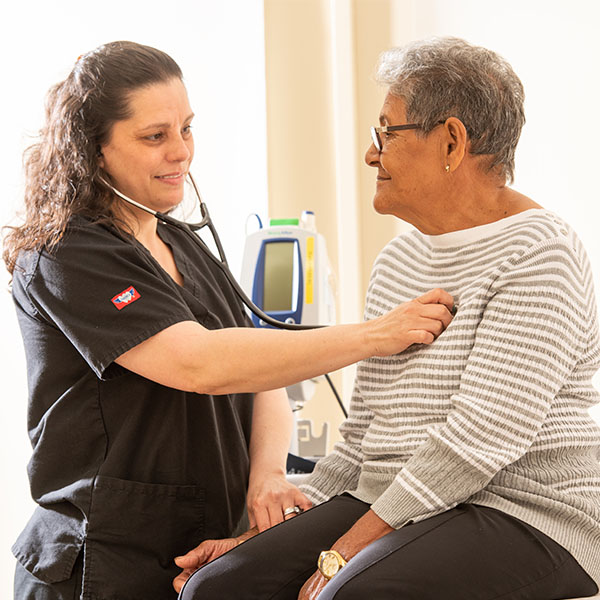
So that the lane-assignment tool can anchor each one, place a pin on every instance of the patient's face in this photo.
(408, 167)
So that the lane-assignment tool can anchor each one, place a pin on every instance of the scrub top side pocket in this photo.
(51, 541)
(135, 531)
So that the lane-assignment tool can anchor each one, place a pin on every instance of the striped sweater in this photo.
(495, 411)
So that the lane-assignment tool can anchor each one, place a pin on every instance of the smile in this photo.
(175, 176)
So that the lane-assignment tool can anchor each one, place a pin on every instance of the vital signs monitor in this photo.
(286, 272)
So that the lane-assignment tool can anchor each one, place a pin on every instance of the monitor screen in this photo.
(279, 276)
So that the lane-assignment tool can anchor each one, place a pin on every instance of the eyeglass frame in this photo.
(375, 131)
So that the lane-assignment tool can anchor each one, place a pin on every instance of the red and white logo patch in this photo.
(126, 297)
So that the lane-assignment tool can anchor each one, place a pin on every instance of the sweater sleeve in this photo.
(533, 330)
(340, 469)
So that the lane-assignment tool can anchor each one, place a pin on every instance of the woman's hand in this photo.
(364, 532)
(268, 499)
(419, 321)
(269, 493)
(313, 587)
(207, 551)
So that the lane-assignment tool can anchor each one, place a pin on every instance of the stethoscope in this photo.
(190, 229)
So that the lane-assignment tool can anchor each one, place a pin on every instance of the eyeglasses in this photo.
(375, 131)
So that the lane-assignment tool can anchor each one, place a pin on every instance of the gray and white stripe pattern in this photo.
(495, 411)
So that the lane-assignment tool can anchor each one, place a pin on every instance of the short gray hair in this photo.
(448, 77)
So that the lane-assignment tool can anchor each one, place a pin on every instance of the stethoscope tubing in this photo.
(189, 230)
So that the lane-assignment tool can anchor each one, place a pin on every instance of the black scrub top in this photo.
(133, 472)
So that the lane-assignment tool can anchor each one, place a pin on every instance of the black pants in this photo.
(468, 553)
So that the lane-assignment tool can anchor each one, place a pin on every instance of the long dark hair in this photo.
(61, 169)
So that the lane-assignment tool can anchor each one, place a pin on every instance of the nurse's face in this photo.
(148, 155)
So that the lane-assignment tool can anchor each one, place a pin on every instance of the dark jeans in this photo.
(468, 553)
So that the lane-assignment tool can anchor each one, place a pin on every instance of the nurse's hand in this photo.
(207, 551)
(269, 498)
(419, 321)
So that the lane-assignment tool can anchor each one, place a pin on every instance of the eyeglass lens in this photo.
(376, 139)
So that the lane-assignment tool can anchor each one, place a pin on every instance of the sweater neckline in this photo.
(470, 235)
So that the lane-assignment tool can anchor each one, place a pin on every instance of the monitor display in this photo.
(279, 289)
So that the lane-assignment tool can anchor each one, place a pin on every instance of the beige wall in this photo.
(321, 101)
(373, 34)
(314, 49)
(301, 170)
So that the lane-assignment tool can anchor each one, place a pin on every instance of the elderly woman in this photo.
(155, 410)
(468, 468)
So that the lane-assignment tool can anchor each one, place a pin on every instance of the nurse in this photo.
(156, 412)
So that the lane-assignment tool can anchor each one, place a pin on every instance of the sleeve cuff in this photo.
(331, 476)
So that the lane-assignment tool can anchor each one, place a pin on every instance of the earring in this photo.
(447, 168)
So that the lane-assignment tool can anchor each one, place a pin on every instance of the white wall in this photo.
(220, 47)
(554, 47)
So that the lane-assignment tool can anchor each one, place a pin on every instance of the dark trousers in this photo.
(468, 553)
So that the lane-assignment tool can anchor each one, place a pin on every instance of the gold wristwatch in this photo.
(330, 562)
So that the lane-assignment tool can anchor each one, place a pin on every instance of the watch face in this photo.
(329, 565)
